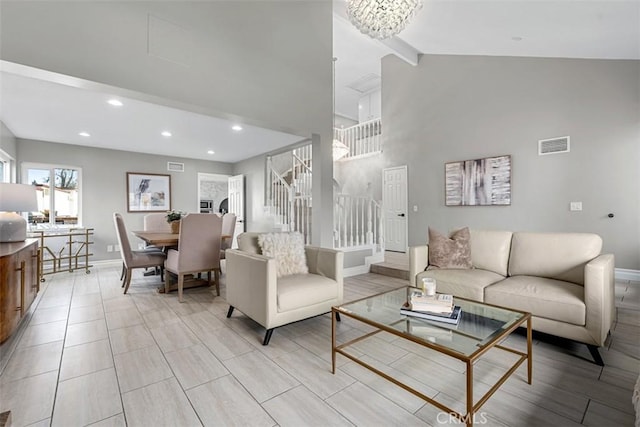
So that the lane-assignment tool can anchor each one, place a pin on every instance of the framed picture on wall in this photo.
(478, 182)
(148, 192)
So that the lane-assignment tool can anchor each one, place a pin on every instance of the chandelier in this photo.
(382, 19)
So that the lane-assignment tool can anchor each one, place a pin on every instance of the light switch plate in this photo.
(415, 208)
(575, 206)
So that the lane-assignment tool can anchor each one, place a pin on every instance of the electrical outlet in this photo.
(116, 248)
(415, 208)
(575, 206)
(109, 248)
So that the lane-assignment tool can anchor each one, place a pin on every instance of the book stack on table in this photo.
(439, 308)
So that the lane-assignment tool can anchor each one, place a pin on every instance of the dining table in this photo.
(163, 239)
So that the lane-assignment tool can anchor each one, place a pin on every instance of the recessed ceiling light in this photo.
(237, 128)
(166, 133)
(211, 152)
(85, 134)
(115, 102)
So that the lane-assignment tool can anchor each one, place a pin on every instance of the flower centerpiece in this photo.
(173, 218)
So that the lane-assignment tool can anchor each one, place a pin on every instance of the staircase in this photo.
(289, 181)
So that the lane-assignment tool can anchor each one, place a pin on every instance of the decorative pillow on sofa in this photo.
(450, 252)
(288, 251)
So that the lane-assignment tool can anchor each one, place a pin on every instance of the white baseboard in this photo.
(626, 274)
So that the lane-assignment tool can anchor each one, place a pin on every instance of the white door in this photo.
(236, 204)
(394, 205)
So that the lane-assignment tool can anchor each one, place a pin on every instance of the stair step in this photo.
(384, 270)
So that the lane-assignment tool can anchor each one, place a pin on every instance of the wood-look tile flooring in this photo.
(93, 356)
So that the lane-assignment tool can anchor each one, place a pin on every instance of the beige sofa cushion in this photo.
(547, 298)
(462, 283)
(490, 250)
(560, 256)
(303, 290)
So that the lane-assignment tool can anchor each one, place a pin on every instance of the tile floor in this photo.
(93, 356)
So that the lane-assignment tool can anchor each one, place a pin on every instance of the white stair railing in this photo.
(362, 139)
(280, 197)
(289, 198)
(357, 222)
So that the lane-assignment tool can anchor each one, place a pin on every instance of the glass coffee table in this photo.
(481, 328)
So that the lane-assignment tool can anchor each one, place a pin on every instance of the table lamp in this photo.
(15, 198)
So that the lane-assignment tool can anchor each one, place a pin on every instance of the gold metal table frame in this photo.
(471, 407)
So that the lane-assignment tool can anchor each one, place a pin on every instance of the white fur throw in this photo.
(288, 251)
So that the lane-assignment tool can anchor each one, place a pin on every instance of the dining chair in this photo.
(228, 228)
(156, 222)
(198, 250)
(134, 259)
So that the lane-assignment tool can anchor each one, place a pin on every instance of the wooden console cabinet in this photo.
(19, 283)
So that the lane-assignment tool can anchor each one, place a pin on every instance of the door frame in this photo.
(406, 201)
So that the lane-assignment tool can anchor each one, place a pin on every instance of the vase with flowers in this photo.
(173, 218)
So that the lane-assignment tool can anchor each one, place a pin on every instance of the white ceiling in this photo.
(34, 108)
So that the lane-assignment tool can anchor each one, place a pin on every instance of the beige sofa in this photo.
(254, 288)
(560, 278)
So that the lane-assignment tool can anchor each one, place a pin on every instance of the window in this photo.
(58, 192)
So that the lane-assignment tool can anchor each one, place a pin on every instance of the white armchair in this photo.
(254, 288)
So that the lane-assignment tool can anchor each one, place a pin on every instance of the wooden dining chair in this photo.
(134, 259)
(198, 250)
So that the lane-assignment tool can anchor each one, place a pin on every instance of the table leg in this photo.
(469, 415)
(333, 340)
(529, 356)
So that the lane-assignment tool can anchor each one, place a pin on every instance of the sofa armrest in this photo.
(418, 261)
(599, 296)
(252, 285)
(328, 263)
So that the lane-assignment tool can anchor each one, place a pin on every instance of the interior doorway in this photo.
(213, 190)
(395, 208)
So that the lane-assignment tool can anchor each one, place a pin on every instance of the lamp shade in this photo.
(15, 198)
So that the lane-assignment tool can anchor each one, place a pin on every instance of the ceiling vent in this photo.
(175, 167)
(554, 145)
(366, 83)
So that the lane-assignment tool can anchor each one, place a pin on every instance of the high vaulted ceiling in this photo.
(34, 108)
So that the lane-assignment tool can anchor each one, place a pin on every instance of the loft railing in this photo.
(362, 139)
(357, 222)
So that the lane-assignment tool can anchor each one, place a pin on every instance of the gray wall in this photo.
(452, 108)
(104, 183)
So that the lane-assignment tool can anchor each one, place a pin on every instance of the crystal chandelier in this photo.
(382, 19)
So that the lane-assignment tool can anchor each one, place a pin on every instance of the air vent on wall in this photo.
(553, 145)
(175, 167)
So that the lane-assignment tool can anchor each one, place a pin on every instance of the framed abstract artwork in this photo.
(478, 182)
(148, 192)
